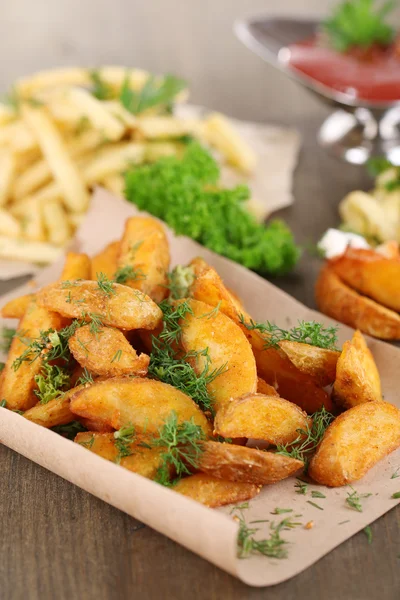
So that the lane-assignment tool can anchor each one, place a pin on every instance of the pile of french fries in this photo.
(261, 391)
(361, 288)
(58, 141)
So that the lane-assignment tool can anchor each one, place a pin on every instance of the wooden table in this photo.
(57, 541)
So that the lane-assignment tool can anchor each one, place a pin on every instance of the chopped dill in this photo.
(123, 438)
(396, 495)
(273, 547)
(317, 494)
(3, 404)
(396, 473)
(88, 443)
(315, 504)
(353, 500)
(128, 273)
(301, 487)
(86, 378)
(117, 356)
(105, 285)
(368, 532)
(280, 511)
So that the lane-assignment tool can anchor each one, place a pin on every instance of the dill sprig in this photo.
(117, 356)
(308, 439)
(183, 449)
(52, 382)
(88, 443)
(273, 547)
(128, 273)
(105, 285)
(354, 499)
(70, 430)
(172, 321)
(86, 378)
(307, 332)
(7, 336)
(179, 281)
(301, 487)
(123, 438)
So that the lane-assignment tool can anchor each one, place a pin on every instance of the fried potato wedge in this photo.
(215, 492)
(16, 308)
(337, 300)
(106, 352)
(18, 384)
(122, 307)
(228, 351)
(319, 363)
(96, 426)
(264, 388)
(55, 412)
(273, 365)
(268, 418)
(238, 463)
(144, 461)
(144, 247)
(76, 266)
(143, 403)
(357, 379)
(105, 261)
(355, 442)
(371, 274)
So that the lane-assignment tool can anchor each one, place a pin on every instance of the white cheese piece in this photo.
(334, 242)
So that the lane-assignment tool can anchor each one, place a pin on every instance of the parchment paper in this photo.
(212, 533)
(277, 149)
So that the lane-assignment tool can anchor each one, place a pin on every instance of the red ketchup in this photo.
(372, 74)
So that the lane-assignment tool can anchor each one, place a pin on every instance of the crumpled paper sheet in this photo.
(271, 185)
(212, 533)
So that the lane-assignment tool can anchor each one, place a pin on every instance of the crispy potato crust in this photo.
(77, 266)
(17, 387)
(319, 363)
(124, 308)
(355, 442)
(16, 308)
(144, 461)
(215, 492)
(370, 273)
(143, 403)
(268, 418)
(227, 347)
(107, 352)
(238, 463)
(264, 388)
(105, 261)
(357, 379)
(335, 299)
(144, 247)
(55, 412)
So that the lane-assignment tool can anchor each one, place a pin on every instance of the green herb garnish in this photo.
(368, 532)
(123, 438)
(88, 443)
(180, 279)
(317, 494)
(86, 378)
(301, 487)
(359, 23)
(52, 382)
(124, 274)
(280, 511)
(7, 336)
(273, 547)
(396, 495)
(315, 504)
(70, 430)
(105, 285)
(153, 93)
(396, 473)
(100, 88)
(3, 404)
(117, 356)
(184, 193)
(354, 500)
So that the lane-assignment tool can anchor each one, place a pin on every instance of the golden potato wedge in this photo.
(76, 266)
(215, 492)
(268, 418)
(273, 364)
(96, 426)
(238, 463)
(106, 352)
(18, 385)
(143, 403)
(144, 461)
(16, 308)
(105, 261)
(228, 349)
(264, 388)
(144, 247)
(55, 412)
(371, 274)
(389, 249)
(357, 379)
(355, 442)
(319, 363)
(337, 300)
(122, 307)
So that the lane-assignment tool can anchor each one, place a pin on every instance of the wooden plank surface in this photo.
(57, 541)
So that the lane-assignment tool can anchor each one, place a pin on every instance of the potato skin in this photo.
(370, 273)
(355, 442)
(125, 309)
(238, 463)
(335, 299)
(107, 352)
(76, 266)
(105, 261)
(227, 346)
(144, 461)
(215, 492)
(319, 363)
(16, 308)
(144, 246)
(143, 403)
(17, 387)
(268, 418)
(357, 379)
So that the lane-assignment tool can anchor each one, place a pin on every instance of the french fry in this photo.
(29, 86)
(35, 252)
(7, 170)
(7, 114)
(215, 492)
(76, 219)
(56, 223)
(63, 168)
(98, 115)
(111, 160)
(17, 136)
(115, 183)
(221, 134)
(30, 214)
(119, 111)
(77, 266)
(105, 261)
(9, 225)
(17, 307)
(159, 126)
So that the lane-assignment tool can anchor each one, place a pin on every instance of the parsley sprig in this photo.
(52, 382)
